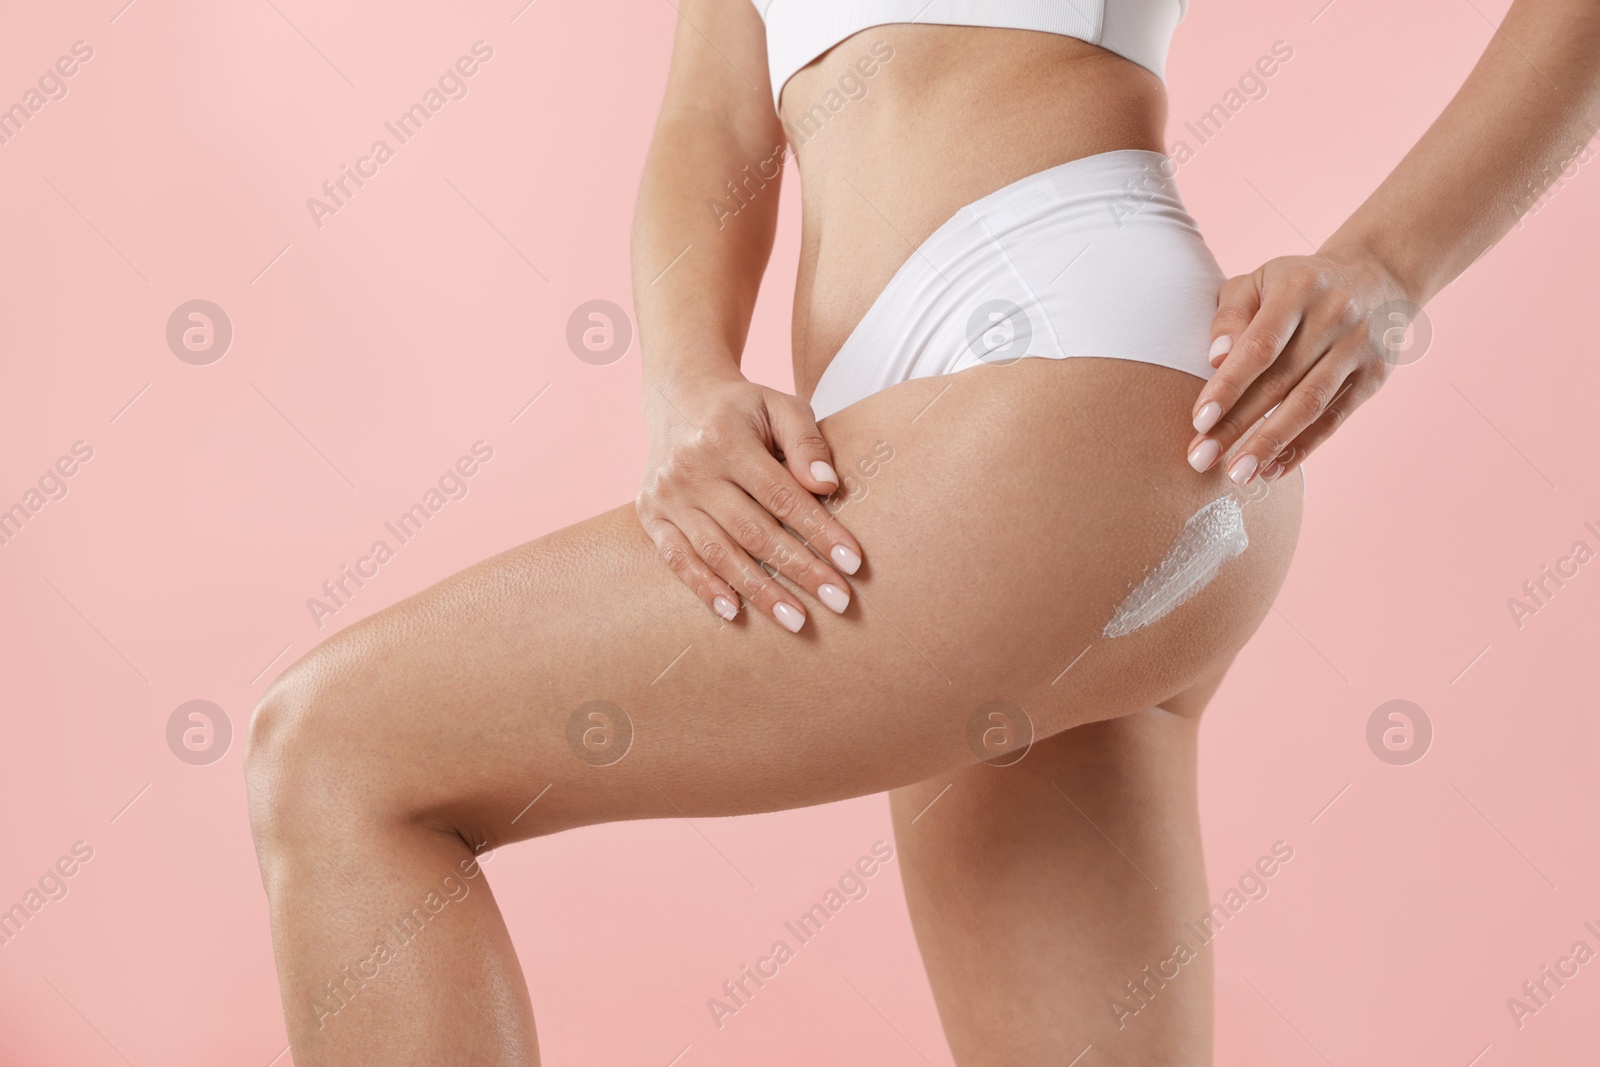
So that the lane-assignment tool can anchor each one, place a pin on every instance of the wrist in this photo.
(687, 375)
(1370, 255)
(673, 363)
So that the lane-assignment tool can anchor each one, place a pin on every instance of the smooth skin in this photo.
(409, 741)
(1019, 506)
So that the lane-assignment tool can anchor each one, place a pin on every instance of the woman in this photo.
(1048, 407)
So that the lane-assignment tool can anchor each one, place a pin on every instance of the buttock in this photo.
(1093, 257)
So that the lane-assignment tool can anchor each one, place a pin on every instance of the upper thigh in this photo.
(1004, 513)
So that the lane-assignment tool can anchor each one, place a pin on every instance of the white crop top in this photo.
(799, 31)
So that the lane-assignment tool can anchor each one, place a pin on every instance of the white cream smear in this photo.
(1211, 537)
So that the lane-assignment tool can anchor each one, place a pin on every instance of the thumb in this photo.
(1237, 303)
(805, 452)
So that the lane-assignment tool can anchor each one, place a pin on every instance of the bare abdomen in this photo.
(948, 114)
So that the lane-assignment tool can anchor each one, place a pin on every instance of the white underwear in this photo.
(1096, 257)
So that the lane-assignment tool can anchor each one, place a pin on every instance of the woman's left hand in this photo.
(1311, 336)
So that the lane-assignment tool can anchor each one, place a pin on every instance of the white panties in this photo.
(1096, 257)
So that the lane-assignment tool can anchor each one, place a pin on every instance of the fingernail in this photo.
(789, 617)
(845, 559)
(1204, 455)
(836, 599)
(1207, 416)
(1242, 469)
(823, 472)
(725, 607)
(1219, 348)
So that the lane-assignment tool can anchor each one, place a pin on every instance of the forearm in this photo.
(703, 230)
(1529, 106)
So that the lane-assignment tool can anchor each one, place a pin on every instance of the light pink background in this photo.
(430, 310)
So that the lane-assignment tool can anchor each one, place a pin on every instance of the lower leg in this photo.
(391, 948)
(1048, 898)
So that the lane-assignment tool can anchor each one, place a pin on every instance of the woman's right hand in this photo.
(732, 464)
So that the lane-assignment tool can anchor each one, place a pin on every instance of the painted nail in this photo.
(1242, 469)
(836, 599)
(725, 607)
(789, 617)
(845, 559)
(1207, 416)
(1219, 348)
(1204, 455)
(823, 472)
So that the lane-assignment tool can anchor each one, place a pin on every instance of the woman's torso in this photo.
(952, 115)
(948, 114)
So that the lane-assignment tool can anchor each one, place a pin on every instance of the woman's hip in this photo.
(1095, 257)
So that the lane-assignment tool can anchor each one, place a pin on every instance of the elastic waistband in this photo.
(1135, 173)
(1128, 189)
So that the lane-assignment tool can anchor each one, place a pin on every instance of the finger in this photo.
(1290, 417)
(1307, 350)
(805, 451)
(1357, 390)
(771, 544)
(1320, 327)
(722, 553)
(681, 559)
(1237, 303)
(771, 485)
(1257, 348)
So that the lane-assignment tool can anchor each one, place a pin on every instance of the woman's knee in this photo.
(314, 757)
(283, 767)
